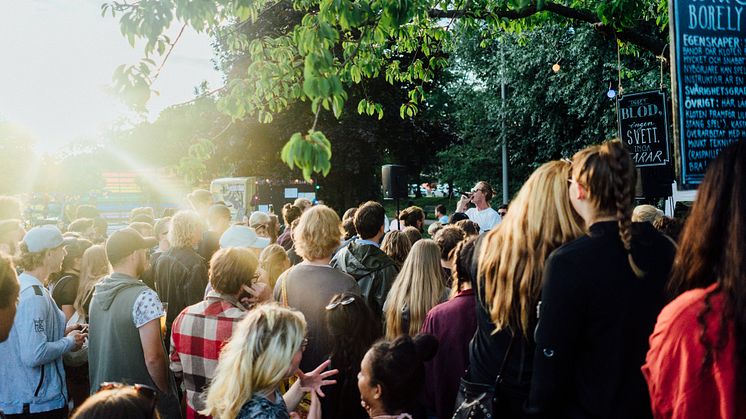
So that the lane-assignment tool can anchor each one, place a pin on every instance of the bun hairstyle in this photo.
(398, 366)
(410, 215)
(608, 173)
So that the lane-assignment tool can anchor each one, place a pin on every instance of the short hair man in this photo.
(441, 214)
(484, 215)
(218, 220)
(33, 377)
(125, 328)
(180, 273)
(362, 258)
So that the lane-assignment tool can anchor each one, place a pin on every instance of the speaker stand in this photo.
(398, 222)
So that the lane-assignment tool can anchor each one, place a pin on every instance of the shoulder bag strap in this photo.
(505, 361)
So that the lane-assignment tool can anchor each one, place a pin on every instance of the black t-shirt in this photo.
(66, 290)
(209, 244)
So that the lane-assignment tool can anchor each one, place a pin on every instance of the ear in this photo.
(582, 192)
(377, 392)
(383, 228)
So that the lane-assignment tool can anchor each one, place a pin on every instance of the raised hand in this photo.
(314, 380)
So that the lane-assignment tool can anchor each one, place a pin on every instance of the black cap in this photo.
(126, 241)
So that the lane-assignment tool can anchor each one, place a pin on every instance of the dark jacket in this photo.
(373, 270)
(594, 323)
(180, 276)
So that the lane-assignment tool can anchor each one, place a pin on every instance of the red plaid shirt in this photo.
(197, 336)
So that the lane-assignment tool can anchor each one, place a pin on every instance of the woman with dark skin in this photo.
(392, 375)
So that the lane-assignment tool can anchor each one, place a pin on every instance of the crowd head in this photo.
(397, 246)
(231, 269)
(318, 233)
(513, 255)
(185, 229)
(417, 289)
(392, 373)
(369, 220)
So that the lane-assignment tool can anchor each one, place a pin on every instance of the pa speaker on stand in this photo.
(394, 180)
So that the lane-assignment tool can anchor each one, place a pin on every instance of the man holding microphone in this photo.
(484, 215)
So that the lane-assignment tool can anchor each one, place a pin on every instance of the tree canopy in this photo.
(327, 47)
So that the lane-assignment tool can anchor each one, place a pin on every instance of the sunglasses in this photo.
(142, 390)
(344, 302)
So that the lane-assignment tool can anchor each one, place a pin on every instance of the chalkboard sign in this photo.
(643, 127)
(709, 42)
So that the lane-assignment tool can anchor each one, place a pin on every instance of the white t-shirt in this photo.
(147, 307)
(487, 218)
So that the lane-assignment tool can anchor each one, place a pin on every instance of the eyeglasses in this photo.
(304, 345)
(344, 302)
(142, 390)
(502, 213)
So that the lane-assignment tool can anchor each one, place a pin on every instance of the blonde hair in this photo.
(93, 266)
(272, 260)
(256, 359)
(648, 213)
(183, 226)
(318, 234)
(512, 257)
(418, 286)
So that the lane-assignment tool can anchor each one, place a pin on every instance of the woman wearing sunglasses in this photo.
(348, 320)
(265, 350)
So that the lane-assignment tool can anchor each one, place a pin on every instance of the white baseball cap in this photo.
(242, 236)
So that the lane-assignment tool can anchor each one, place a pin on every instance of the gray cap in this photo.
(42, 238)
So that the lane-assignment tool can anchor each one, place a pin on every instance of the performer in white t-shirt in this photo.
(483, 214)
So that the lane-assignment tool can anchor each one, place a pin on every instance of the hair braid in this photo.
(623, 177)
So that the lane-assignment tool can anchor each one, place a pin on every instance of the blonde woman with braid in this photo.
(600, 298)
(265, 349)
(508, 282)
(417, 289)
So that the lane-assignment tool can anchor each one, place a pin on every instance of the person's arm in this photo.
(31, 327)
(69, 310)
(174, 358)
(155, 357)
(197, 282)
(556, 335)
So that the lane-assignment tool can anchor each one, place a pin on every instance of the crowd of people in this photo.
(569, 303)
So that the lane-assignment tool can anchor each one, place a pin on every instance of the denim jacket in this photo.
(33, 378)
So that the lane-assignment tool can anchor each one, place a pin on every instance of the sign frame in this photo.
(666, 123)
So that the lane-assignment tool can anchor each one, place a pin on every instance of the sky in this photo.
(56, 61)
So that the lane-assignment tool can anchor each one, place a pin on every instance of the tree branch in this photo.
(636, 36)
(168, 54)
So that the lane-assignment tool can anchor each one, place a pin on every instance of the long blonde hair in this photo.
(512, 257)
(93, 266)
(256, 359)
(273, 260)
(419, 286)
